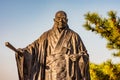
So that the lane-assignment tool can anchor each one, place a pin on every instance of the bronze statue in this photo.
(58, 54)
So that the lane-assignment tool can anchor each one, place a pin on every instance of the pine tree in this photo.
(108, 28)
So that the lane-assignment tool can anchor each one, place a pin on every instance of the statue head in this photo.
(61, 19)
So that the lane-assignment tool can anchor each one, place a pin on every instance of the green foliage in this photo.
(105, 71)
(108, 28)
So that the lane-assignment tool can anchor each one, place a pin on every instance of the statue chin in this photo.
(61, 26)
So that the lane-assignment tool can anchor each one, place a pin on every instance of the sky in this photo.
(23, 21)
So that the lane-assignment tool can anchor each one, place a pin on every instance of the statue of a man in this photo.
(58, 54)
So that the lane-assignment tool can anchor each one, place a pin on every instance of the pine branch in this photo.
(108, 28)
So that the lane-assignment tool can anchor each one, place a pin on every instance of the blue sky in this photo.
(23, 21)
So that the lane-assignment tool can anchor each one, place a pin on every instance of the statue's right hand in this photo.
(20, 51)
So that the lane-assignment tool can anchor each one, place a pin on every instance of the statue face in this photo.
(61, 20)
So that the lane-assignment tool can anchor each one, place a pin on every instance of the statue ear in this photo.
(67, 20)
(54, 20)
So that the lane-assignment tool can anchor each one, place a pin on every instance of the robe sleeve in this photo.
(25, 62)
(84, 61)
(31, 65)
(84, 58)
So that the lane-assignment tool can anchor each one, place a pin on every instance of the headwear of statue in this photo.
(62, 12)
(61, 19)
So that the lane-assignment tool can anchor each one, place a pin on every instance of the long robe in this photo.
(48, 58)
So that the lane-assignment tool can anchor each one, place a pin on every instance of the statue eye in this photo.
(58, 18)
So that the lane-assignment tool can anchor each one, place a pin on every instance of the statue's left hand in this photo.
(74, 57)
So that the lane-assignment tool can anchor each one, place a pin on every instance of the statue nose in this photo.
(60, 20)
